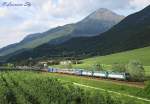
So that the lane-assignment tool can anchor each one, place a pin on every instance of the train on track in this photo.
(100, 74)
(79, 72)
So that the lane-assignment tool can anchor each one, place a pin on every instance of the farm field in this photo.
(23, 87)
(126, 88)
(34, 88)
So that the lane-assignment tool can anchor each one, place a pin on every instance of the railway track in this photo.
(118, 82)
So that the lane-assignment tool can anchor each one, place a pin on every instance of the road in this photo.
(139, 98)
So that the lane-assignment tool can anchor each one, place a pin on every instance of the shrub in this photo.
(98, 67)
(136, 70)
(53, 62)
(68, 65)
(118, 67)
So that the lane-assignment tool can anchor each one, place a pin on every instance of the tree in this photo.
(98, 67)
(68, 64)
(9, 65)
(118, 67)
(136, 70)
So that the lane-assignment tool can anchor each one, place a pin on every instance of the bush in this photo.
(76, 62)
(98, 67)
(53, 62)
(118, 67)
(136, 70)
(68, 65)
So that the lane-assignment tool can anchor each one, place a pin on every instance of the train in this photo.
(100, 74)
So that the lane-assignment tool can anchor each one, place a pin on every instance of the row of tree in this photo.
(134, 68)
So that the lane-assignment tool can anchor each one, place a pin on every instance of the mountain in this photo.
(94, 24)
(97, 22)
(131, 33)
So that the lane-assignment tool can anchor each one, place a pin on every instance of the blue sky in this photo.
(18, 22)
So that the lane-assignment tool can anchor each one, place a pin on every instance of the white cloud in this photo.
(139, 3)
(10, 38)
(17, 22)
(3, 12)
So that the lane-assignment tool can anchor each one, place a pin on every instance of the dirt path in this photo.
(139, 98)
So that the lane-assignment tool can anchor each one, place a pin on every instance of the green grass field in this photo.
(147, 70)
(142, 54)
(24, 87)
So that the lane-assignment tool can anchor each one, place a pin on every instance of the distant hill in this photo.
(96, 23)
(131, 33)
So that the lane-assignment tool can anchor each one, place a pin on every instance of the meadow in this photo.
(142, 54)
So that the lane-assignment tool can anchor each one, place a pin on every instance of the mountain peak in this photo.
(102, 10)
(104, 14)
